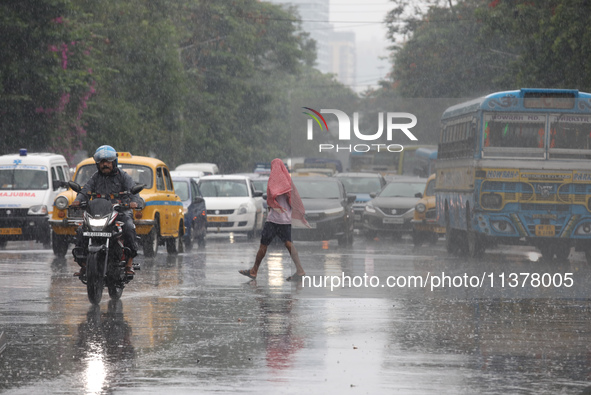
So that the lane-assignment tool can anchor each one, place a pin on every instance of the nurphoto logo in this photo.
(344, 130)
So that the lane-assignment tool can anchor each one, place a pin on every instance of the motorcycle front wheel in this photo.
(115, 292)
(94, 278)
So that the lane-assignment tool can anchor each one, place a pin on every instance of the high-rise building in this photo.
(343, 57)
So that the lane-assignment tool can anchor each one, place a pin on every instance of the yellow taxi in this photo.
(159, 222)
(424, 222)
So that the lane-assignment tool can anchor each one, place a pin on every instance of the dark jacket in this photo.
(118, 181)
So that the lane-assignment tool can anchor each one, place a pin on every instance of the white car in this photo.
(233, 204)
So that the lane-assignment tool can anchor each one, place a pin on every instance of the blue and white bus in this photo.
(514, 167)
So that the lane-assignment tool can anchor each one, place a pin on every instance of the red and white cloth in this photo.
(280, 183)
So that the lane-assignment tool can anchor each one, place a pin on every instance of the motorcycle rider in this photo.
(108, 180)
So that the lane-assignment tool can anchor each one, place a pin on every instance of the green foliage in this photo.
(442, 57)
(182, 80)
(550, 40)
(45, 76)
(474, 47)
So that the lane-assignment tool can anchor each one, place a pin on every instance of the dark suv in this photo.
(329, 210)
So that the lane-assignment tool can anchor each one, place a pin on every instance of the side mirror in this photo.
(373, 195)
(74, 186)
(258, 194)
(198, 200)
(351, 198)
(418, 195)
(264, 196)
(137, 188)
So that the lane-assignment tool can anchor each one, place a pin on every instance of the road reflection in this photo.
(276, 321)
(105, 349)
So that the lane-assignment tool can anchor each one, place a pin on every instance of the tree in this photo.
(548, 41)
(476, 47)
(442, 56)
(141, 85)
(46, 76)
(236, 54)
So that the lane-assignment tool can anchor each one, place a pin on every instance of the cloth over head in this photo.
(280, 183)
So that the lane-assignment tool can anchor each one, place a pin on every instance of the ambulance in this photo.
(29, 183)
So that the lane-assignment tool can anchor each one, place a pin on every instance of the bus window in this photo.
(570, 132)
(515, 131)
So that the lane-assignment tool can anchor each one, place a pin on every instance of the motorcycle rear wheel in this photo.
(94, 278)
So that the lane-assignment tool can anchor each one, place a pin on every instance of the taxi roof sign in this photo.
(124, 154)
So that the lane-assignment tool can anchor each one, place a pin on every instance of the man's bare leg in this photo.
(296, 258)
(259, 258)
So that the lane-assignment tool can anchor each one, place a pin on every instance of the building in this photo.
(343, 57)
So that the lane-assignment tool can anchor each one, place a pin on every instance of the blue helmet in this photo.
(105, 152)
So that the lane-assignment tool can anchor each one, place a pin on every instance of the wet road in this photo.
(192, 324)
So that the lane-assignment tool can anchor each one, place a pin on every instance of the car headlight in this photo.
(420, 208)
(38, 210)
(334, 211)
(61, 202)
(243, 209)
(370, 208)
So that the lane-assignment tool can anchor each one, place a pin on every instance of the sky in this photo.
(365, 19)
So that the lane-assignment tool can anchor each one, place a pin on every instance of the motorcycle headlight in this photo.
(97, 224)
(37, 210)
(61, 202)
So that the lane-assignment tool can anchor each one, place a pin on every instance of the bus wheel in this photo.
(475, 243)
(451, 242)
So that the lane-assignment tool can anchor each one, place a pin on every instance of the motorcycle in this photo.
(104, 251)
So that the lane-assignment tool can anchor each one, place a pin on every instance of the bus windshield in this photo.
(570, 135)
(514, 130)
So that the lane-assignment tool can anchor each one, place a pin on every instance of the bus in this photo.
(513, 168)
(410, 161)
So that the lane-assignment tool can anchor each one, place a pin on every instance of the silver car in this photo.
(392, 209)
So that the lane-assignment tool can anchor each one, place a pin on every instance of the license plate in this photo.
(97, 234)
(545, 231)
(217, 219)
(11, 231)
(393, 220)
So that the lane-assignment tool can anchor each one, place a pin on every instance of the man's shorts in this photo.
(271, 229)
